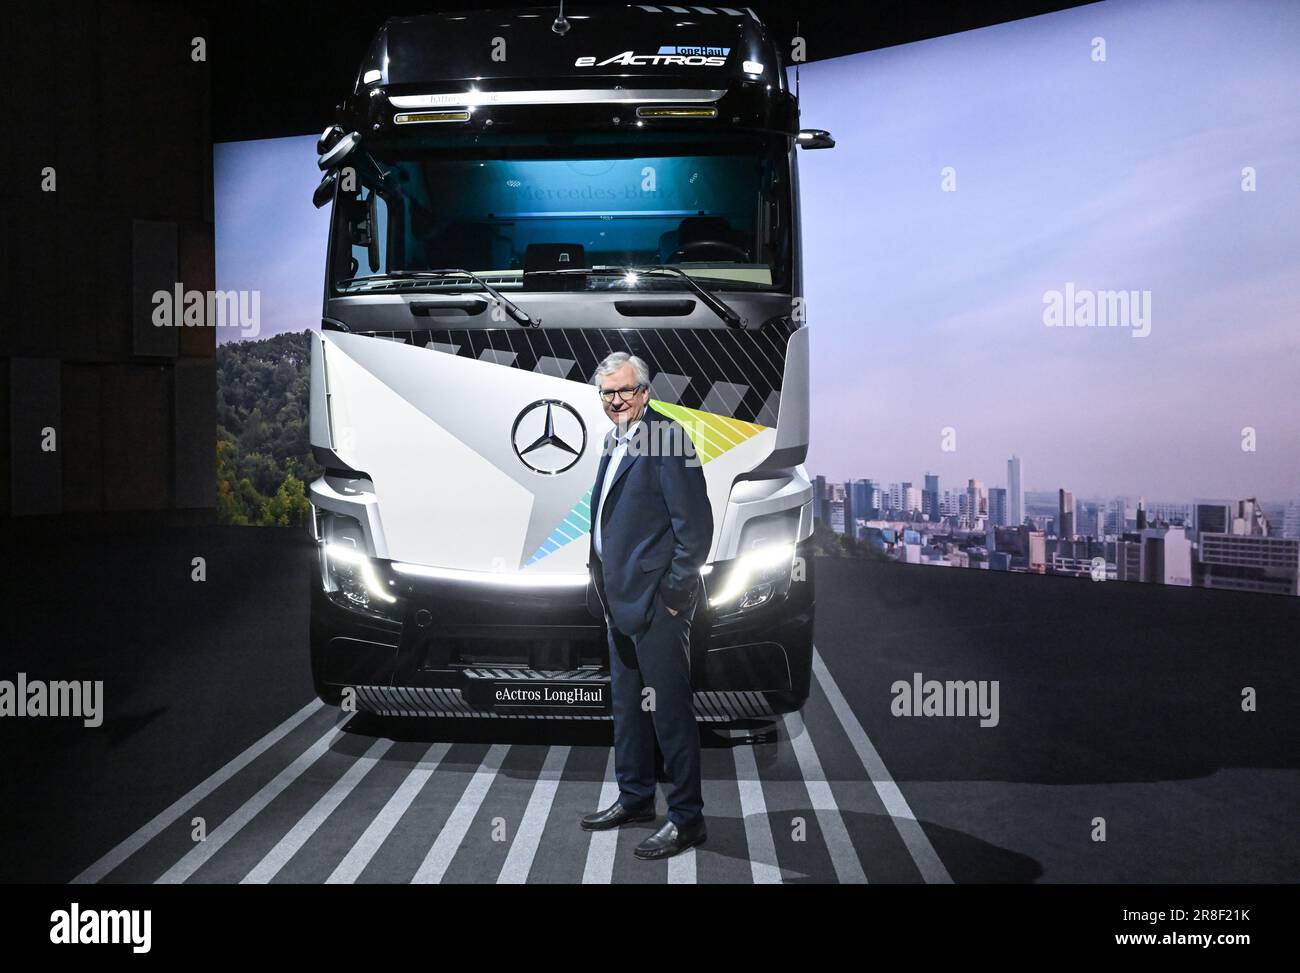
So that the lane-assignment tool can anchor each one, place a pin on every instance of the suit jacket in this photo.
(656, 527)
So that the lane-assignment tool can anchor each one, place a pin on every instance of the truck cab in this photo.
(516, 194)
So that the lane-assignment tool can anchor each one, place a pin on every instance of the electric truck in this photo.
(516, 194)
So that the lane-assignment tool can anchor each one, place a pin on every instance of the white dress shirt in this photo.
(615, 458)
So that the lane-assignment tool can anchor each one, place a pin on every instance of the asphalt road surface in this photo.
(1119, 706)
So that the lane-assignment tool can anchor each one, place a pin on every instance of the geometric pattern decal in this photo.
(669, 387)
(725, 371)
(556, 367)
(724, 397)
(771, 408)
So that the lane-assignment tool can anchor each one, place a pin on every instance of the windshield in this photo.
(508, 206)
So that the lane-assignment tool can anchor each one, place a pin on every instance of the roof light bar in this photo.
(666, 111)
(560, 96)
(423, 117)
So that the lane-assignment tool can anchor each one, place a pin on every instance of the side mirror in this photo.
(338, 154)
(328, 139)
(325, 191)
(815, 138)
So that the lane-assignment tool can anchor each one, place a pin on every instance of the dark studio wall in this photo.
(108, 97)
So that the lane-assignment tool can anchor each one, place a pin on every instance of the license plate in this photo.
(538, 694)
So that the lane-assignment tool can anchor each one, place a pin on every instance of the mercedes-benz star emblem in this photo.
(549, 436)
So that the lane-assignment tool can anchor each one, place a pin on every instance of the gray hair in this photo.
(615, 360)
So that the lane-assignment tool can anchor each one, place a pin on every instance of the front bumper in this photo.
(470, 650)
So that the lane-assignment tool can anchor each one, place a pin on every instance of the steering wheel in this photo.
(728, 248)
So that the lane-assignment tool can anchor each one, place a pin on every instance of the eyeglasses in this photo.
(624, 394)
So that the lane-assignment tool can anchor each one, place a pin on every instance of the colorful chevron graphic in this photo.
(712, 435)
(575, 523)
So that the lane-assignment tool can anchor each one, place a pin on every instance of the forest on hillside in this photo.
(264, 456)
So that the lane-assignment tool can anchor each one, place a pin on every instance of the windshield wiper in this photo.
(713, 302)
(515, 311)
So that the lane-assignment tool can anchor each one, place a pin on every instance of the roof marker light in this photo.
(753, 67)
(371, 76)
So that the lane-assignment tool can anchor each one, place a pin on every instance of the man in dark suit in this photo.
(652, 527)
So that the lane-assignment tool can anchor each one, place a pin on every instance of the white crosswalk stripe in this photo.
(165, 818)
(909, 829)
(217, 839)
(599, 869)
(358, 857)
(523, 849)
(453, 832)
(843, 856)
(753, 811)
(682, 868)
(306, 826)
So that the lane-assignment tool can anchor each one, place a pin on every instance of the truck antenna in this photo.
(796, 66)
(561, 25)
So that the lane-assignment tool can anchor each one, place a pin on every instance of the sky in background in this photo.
(927, 306)
(269, 235)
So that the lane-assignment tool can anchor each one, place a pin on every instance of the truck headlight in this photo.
(763, 569)
(347, 571)
(757, 576)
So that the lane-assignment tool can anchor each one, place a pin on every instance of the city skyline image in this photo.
(1240, 545)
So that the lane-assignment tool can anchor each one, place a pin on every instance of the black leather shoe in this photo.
(671, 840)
(614, 816)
